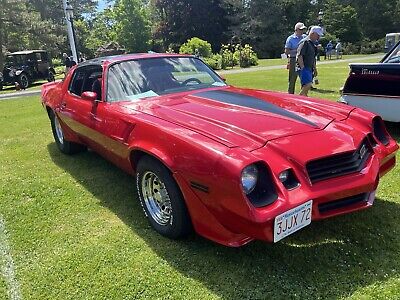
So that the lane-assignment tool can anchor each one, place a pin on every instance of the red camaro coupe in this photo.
(234, 164)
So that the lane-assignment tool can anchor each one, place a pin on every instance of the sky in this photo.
(102, 5)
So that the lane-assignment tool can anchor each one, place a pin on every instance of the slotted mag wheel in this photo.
(59, 132)
(156, 198)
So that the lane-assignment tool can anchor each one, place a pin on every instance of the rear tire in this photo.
(51, 77)
(161, 199)
(62, 144)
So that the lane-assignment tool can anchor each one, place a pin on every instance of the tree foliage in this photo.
(132, 26)
(179, 20)
(342, 21)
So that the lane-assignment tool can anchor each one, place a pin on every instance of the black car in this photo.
(26, 67)
(375, 86)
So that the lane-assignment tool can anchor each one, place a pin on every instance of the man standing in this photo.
(292, 42)
(306, 59)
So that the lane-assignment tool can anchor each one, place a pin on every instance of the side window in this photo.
(44, 56)
(86, 79)
(31, 57)
(76, 84)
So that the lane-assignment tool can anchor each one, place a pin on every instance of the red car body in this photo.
(206, 143)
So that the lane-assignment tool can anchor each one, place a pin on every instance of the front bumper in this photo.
(331, 197)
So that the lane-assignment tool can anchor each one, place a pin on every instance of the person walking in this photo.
(329, 48)
(292, 42)
(306, 59)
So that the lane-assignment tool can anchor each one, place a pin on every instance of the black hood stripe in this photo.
(251, 102)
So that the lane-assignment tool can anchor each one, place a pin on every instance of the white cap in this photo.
(299, 26)
(318, 30)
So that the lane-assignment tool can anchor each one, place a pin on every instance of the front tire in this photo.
(62, 144)
(161, 199)
(23, 81)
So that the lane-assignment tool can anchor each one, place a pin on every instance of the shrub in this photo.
(369, 47)
(215, 61)
(350, 48)
(194, 43)
(57, 62)
(227, 57)
(246, 56)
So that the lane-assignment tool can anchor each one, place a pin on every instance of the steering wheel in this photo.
(192, 79)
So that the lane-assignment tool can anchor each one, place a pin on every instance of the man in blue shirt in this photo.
(292, 42)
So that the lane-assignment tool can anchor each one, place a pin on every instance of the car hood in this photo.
(243, 117)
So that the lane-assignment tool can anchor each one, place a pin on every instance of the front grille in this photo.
(337, 204)
(339, 164)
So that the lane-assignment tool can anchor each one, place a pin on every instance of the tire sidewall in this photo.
(61, 146)
(20, 81)
(51, 76)
(179, 225)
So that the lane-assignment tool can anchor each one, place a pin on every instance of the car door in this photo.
(115, 127)
(42, 64)
(77, 112)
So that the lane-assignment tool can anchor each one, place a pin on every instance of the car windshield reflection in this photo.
(138, 79)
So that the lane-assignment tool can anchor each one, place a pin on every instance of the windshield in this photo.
(394, 56)
(138, 79)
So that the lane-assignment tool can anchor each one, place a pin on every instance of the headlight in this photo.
(289, 179)
(257, 184)
(249, 178)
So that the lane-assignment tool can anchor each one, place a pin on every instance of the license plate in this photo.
(292, 220)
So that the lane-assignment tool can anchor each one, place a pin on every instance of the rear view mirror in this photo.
(91, 96)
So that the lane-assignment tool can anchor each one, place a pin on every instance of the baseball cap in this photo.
(318, 30)
(299, 26)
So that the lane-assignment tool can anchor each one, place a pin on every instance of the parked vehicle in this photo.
(376, 86)
(391, 39)
(25, 67)
(234, 164)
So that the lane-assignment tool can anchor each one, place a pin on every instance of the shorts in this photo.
(306, 76)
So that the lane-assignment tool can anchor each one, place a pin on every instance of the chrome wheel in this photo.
(59, 132)
(156, 199)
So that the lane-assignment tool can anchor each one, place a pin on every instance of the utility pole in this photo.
(69, 17)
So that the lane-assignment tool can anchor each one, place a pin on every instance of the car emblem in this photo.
(363, 151)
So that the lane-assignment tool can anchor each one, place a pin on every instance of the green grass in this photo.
(279, 61)
(77, 231)
(34, 86)
(331, 78)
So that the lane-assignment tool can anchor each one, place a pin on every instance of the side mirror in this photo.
(91, 96)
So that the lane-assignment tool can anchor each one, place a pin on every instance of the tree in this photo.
(132, 25)
(98, 31)
(22, 28)
(179, 20)
(342, 21)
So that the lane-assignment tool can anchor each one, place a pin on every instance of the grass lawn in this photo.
(34, 86)
(331, 78)
(76, 231)
(279, 61)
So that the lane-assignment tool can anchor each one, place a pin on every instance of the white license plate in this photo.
(292, 220)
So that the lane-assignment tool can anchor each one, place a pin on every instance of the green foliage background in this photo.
(158, 25)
